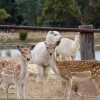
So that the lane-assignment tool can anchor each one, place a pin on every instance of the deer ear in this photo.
(45, 43)
(18, 47)
(51, 32)
(32, 46)
(58, 42)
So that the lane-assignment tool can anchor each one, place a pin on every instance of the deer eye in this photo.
(22, 52)
(53, 47)
(47, 47)
(55, 34)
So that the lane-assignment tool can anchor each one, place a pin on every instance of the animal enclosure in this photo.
(52, 90)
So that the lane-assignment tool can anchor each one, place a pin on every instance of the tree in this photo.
(29, 10)
(59, 12)
(87, 10)
(10, 7)
(3, 15)
(70, 12)
(96, 15)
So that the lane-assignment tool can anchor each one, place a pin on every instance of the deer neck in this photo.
(53, 64)
(23, 73)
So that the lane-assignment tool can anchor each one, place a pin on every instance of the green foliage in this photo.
(96, 14)
(23, 35)
(29, 10)
(3, 14)
(87, 10)
(63, 13)
(58, 12)
(10, 7)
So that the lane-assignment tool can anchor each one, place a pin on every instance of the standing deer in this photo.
(14, 73)
(70, 71)
(74, 71)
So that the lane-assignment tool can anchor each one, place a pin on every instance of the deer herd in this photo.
(44, 55)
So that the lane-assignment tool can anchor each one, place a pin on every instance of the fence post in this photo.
(87, 43)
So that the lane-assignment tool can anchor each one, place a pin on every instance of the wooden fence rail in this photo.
(49, 28)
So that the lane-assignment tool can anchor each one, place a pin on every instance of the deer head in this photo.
(25, 52)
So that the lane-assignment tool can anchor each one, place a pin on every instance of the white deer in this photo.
(40, 55)
(15, 73)
(68, 48)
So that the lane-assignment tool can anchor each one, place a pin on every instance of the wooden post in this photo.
(87, 43)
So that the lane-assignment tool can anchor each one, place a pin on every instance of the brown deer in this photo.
(69, 70)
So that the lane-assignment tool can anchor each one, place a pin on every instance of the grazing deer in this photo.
(73, 70)
(14, 73)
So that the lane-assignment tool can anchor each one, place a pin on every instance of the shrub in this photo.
(23, 35)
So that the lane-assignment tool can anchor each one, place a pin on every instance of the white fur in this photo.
(68, 48)
(41, 57)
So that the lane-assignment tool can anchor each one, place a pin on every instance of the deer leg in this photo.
(68, 89)
(6, 88)
(18, 87)
(46, 73)
(64, 87)
(23, 91)
(39, 73)
(1, 81)
(97, 84)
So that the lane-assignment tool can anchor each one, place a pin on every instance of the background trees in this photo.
(62, 13)
(3, 15)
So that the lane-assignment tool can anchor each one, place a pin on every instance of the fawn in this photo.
(15, 73)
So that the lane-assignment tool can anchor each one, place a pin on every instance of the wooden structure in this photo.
(87, 43)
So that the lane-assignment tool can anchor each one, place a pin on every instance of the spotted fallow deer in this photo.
(74, 70)
(15, 73)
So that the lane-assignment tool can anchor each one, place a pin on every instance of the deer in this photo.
(15, 73)
(40, 55)
(75, 70)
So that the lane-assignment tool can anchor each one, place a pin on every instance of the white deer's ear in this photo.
(50, 32)
(32, 46)
(58, 42)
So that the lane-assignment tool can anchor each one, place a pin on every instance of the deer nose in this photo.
(50, 54)
(28, 59)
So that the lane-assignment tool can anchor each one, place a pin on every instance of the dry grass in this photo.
(52, 90)
(37, 36)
